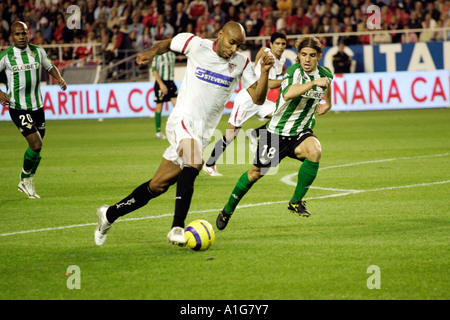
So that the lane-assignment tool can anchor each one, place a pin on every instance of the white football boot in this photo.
(103, 226)
(26, 186)
(212, 171)
(160, 136)
(176, 236)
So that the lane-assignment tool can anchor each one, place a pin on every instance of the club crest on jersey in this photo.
(25, 67)
(231, 67)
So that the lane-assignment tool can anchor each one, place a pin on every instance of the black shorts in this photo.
(272, 148)
(29, 122)
(161, 97)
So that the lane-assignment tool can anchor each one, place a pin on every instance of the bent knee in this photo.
(309, 149)
(159, 187)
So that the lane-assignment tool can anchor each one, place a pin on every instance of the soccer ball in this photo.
(199, 235)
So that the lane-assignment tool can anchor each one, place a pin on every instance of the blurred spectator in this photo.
(330, 5)
(196, 9)
(382, 37)
(179, 19)
(311, 13)
(46, 29)
(136, 26)
(145, 40)
(102, 8)
(284, 7)
(218, 15)
(151, 17)
(300, 18)
(410, 36)
(414, 22)
(39, 39)
(162, 30)
(250, 29)
(315, 26)
(341, 60)
(257, 23)
(394, 25)
(431, 9)
(114, 18)
(349, 40)
(232, 14)
(107, 48)
(204, 32)
(83, 50)
(281, 23)
(205, 20)
(90, 13)
(428, 23)
(268, 28)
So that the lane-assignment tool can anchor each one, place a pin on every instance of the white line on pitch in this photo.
(288, 178)
(218, 210)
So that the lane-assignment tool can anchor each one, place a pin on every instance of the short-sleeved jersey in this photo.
(164, 64)
(23, 74)
(293, 116)
(209, 81)
(276, 69)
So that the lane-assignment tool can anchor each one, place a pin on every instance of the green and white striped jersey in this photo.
(293, 116)
(23, 75)
(164, 64)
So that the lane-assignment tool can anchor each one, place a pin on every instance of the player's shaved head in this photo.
(19, 34)
(230, 39)
(18, 24)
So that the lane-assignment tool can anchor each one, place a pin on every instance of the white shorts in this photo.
(244, 108)
(177, 129)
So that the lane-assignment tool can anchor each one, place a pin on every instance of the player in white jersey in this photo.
(212, 72)
(244, 107)
(23, 64)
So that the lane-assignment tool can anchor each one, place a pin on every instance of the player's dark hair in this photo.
(309, 42)
(277, 35)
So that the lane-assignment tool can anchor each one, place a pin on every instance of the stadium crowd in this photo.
(137, 24)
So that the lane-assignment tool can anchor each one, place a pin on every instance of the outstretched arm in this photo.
(159, 48)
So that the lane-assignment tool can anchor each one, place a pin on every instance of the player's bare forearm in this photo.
(258, 91)
(273, 84)
(296, 90)
(325, 107)
(159, 48)
(54, 72)
(4, 98)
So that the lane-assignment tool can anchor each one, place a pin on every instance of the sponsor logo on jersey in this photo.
(312, 94)
(25, 67)
(213, 77)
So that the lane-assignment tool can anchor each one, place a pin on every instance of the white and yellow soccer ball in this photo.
(199, 235)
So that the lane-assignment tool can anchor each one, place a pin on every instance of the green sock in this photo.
(239, 191)
(158, 121)
(36, 164)
(29, 159)
(306, 175)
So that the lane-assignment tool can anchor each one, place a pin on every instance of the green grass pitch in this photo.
(381, 199)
